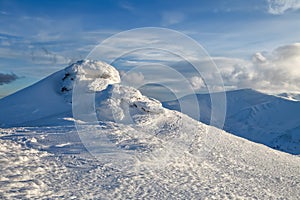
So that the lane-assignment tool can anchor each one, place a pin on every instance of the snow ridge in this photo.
(262, 118)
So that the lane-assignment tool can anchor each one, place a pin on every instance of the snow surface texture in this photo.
(266, 119)
(172, 156)
(50, 162)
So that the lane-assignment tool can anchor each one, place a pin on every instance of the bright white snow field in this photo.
(157, 153)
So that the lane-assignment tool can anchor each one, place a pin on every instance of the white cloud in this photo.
(259, 58)
(2, 12)
(197, 82)
(278, 7)
(9, 53)
(4, 43)
(132, 78)
(171, 18)
(274, 72)
(146, 44)
(126, 6)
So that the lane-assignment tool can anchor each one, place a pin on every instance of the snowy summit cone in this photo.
(99, 73)
(30, 106)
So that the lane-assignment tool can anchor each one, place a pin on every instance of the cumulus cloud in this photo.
(282, 68)
(278, 7)
(273, 72)
(259, 58)
(197, 82)
(7, 78)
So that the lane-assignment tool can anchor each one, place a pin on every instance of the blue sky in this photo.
(247, 38)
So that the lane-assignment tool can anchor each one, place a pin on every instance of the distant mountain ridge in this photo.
(262, 118)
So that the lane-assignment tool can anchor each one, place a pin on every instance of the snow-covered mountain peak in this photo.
(98, 75)
(31, 106)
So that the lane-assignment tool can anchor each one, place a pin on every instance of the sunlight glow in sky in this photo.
(255, 43)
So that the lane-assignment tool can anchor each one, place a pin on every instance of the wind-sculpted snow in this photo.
(120, 103)
(99, 73)
(51, 162)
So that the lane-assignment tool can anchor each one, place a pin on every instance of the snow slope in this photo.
(177, 162)
(49, 101)
(41, 100)
(168, 154)
(262, 118)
